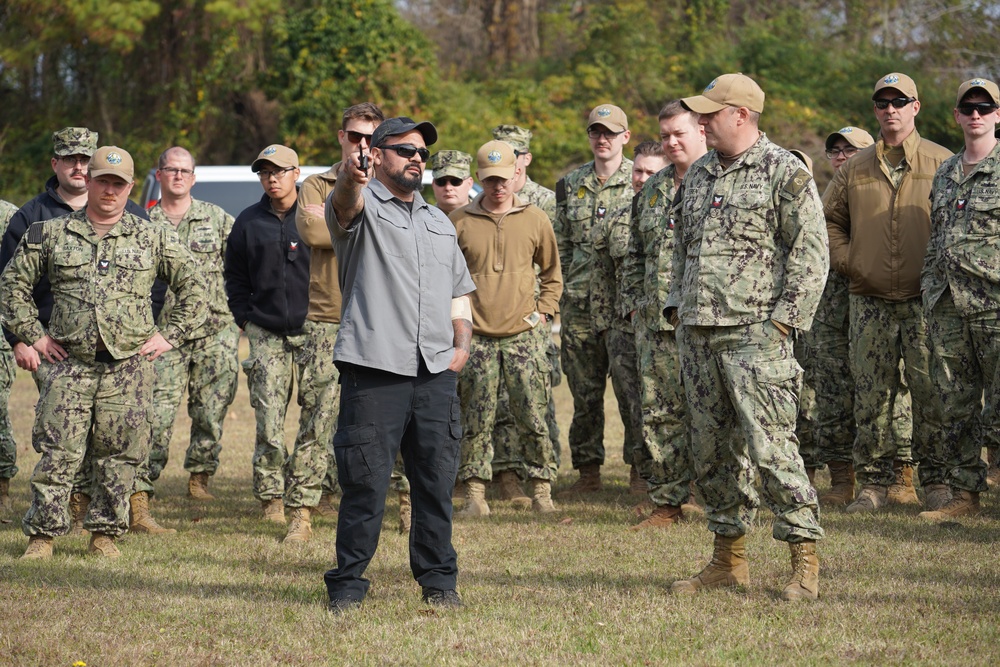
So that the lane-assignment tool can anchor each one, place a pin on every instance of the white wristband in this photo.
(461, 308)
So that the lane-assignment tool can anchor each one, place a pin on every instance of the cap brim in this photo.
(111, 172)
(506, 173)
(701, 104)
(446, 171)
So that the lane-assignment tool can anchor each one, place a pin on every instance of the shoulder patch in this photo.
(797, 183)
(561, 191)
(36, 232)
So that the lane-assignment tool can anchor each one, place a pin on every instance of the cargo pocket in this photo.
(776, 393)
(359, 454)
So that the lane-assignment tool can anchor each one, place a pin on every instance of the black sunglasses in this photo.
(966, 108)
(447, 180)
(896, 102)
(407, 151)
(356, 137)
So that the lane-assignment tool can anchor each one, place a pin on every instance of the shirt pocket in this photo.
(749, 219)
(444, 241)
(71, 271)
(395, 237)
(983, 212)
(135, 272)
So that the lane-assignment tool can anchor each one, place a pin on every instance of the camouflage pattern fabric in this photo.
(74, 141)
(450, 163)
(519, 363)
(880, 329)
(805, 425)
(8, 370)
(518, 137)
(208, 369)
(540, 196)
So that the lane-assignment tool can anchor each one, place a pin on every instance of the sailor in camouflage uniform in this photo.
(452, 179)
(749, 265)
(960, 284)
(96, 374)
(584, 197)
(8, 370)
(207, 366)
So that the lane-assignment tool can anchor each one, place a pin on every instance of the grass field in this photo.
(573, 589)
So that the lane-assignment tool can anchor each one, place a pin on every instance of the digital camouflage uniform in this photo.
(101, 288)
(8, 370)
(207, 365)
(749, 250)
(665, 463)
(581, 201)
(961, 294)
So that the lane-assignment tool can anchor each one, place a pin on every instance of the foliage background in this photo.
(226, 77)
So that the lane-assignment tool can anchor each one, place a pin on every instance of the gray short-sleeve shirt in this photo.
(399, 266)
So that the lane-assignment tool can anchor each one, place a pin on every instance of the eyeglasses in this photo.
(73, 160)
(356, 137)
(896, 102)
(518, 153)
(174, 171)
(448, 180)
(407, 151)
(966, 108)
(847, 151)
(266, 174)
(595, 133)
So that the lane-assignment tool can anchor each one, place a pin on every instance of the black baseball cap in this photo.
(392, 127)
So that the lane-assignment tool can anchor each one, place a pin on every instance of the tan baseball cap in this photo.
(278, 155)
(496, 158)
(111, 160)
(984, 85)
(855, 136)
(900, 82)
(609, 116)
(728, 90)
(803, 158)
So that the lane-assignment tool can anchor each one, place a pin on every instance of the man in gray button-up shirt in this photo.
(405, 332)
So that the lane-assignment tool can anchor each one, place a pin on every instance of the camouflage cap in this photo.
(984, 85)
(111, 160)
(900, 82)
(74, 141)
(451, 163)
(855, 136)
(518, 137)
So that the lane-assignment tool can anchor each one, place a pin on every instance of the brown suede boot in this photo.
(841, 484)
(139, 518)
(103, 545)
(962, 503)
(198, 487)
(274, 510)
(541, 496)
(475, 499)
(78, 504)
(510, 489)
(325, 507)
(663, 516)
(39, 547)
(901, 492)
(405, 513)
(589, 482)
(804, 584)
(300, 529)
(936, 496)
(870, 499)
(691, 510)
(636, 484)
(728, 568)
(5, 504)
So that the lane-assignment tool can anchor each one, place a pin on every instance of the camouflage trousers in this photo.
(882, 333)
(742, 385)
(834, 430)
(665, 460)
(964, 366)
(8, 448)
(208, 368)
(805, 425)
(586, 363)
(506, 439)
(104, 410)
(518, 363)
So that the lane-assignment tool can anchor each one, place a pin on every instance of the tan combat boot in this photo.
(728, 568)
(274, 510)
(804, 584)
(5, 504)
(139, 518)
(103, 545)
(325, 507)
(663, 516)
(589, 482)
(475, 499)
(198, 487)
(636, 484)
(901, 492)
(39, 546)
(936, 496)
(510, 489)
(962, 503)
(841, 484)
(691, 509)
(870, 499)
(300, 529)
(78, 504)
(541, 496)
(405, 512)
